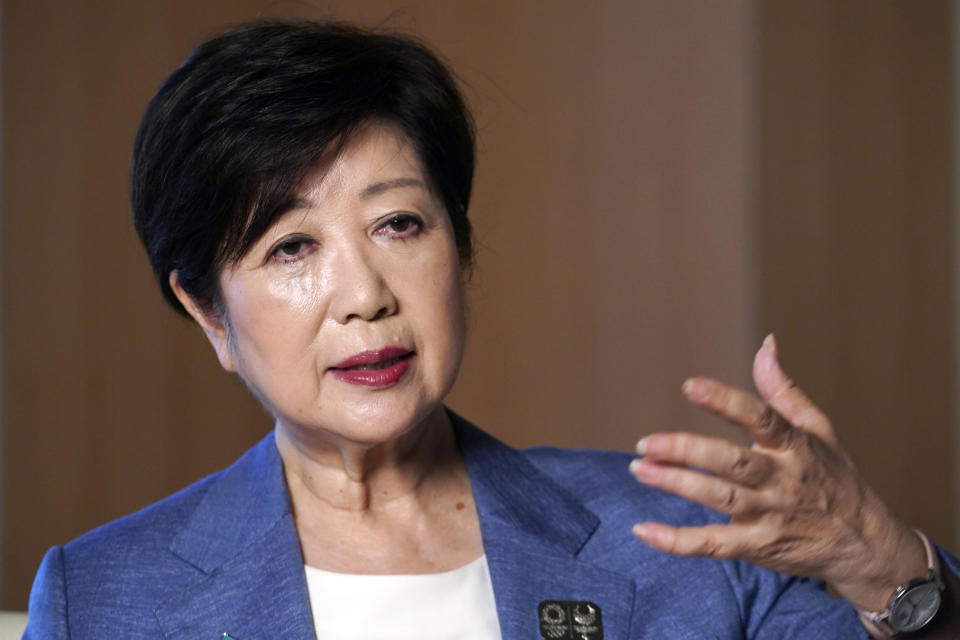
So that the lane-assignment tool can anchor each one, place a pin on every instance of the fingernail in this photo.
(642, 446)
(770, 342)
(645, 532)
(644, 471)
(693, 390)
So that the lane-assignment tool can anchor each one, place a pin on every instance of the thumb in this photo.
(781, 393)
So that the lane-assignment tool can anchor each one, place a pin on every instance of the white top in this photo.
(453, 605)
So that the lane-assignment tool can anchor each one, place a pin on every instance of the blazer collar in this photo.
(243, 539)
(533, 534)
(248, 499)
(509, 489)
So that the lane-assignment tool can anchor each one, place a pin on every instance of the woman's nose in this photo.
(360, 290)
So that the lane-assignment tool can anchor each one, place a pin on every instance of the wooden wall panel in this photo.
(620, 241)
(611, 211)
(856, 232)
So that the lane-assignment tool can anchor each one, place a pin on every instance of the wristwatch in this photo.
(913, 604)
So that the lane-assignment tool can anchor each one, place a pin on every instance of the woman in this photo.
(301, 190)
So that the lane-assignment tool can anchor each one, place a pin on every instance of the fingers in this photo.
(742, 541)
(791, 497)
(715, 540)
(717, 493)
(769, 421)
(781, 393)
(681, 463)
(716, 455)
(764, 425)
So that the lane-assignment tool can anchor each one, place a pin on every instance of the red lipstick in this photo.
(381, 368)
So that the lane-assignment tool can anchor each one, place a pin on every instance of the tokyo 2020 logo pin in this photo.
(570, 620)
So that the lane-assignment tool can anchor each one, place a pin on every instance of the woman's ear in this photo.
(213, 326)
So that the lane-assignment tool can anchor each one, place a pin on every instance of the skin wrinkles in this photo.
(357, 285)
(302, 291)
(365, 259)
(795, 501)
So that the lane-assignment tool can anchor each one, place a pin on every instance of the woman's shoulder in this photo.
(600, 479)
(114, 575)
(143, 541)
(111, 574)
(153, 526)
(596, 479)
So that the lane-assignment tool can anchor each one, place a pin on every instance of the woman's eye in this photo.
(292, 250)
(403, 226)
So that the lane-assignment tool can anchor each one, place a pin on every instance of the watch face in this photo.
(915, 607)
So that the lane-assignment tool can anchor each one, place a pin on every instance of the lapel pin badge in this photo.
(570, 620)
(227, 636)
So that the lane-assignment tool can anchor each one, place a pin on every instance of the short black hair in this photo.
(234, 130)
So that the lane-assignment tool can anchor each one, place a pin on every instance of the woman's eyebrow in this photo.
(385, 185)
(296, 204)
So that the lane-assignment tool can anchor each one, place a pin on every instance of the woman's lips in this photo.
(381, 368)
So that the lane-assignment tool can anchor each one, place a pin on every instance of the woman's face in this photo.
(346, 318)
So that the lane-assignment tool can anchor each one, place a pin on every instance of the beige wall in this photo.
(856, 232)
(660, 183)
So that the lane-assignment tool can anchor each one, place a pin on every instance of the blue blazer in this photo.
(222, 556)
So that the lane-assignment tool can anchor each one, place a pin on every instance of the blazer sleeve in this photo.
(948, 561)
(48, 600)
(797, 606)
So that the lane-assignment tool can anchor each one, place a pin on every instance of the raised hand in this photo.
(795, 500)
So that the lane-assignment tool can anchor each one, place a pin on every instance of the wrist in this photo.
(912, 604)
(892, 555)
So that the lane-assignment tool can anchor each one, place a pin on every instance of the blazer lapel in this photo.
(533, 531)
(243, 541)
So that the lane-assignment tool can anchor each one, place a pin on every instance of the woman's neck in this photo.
(329, 472)
(396, 507)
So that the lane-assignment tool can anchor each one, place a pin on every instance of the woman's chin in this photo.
(381, 424)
